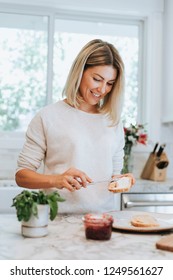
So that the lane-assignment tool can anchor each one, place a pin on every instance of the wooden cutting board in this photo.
(165, 243)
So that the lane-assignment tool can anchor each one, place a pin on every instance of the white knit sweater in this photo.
(63, 137)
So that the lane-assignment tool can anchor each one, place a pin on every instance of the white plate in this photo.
(122, 221)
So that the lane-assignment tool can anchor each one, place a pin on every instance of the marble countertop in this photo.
(66, 241)
(152, 186)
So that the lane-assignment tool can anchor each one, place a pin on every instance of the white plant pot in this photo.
(37, 227)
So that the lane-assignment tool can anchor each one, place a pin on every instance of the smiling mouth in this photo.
(96, 94)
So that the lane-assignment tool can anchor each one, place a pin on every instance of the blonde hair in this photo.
(96, 53)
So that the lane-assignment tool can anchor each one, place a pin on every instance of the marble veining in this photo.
(142, 186)
(66, 241)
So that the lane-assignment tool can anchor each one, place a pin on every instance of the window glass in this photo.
(23, 69)
(24, 60)
(71, 36)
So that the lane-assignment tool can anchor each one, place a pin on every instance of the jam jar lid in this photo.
(97, 218)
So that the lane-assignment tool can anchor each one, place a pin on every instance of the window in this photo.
(23, 68)
(25, 49)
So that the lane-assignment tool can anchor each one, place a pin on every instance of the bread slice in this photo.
(165, 243)
(123, 184)
(144, 220)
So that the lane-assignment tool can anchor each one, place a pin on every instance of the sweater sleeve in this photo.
(119, 153)
(34, 148)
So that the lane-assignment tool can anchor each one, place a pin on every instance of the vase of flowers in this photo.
(133, 134)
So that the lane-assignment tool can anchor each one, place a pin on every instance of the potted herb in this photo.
(34, 208)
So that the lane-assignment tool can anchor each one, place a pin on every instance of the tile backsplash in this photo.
(9, 151)
(8, 161)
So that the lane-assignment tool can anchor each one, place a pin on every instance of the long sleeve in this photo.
(34, 149)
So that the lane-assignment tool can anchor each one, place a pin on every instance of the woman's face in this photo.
(96, 83)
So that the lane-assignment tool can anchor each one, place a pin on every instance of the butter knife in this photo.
(104, 181)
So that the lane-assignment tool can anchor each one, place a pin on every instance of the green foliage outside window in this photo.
(23, 78)
(23, 72)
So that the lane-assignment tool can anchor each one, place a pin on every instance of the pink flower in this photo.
(135, 134)
(142, 139)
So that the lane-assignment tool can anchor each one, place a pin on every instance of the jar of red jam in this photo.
(98, 226)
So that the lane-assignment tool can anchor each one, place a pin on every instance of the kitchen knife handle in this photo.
(155, 148)
(160, 151)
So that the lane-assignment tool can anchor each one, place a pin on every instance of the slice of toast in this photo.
(144, 220)
(165, 243)
(121, 185)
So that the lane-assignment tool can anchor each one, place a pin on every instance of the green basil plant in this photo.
(26, 203)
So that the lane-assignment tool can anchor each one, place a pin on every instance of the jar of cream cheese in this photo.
(98, 226)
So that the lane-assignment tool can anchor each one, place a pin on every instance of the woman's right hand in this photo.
(72, 179)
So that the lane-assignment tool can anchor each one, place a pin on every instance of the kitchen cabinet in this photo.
(66, 241)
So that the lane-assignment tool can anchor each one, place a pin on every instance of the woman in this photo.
(80, 139)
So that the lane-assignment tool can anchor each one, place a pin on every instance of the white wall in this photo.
(167, 88)
(112, 6)
(167, 83)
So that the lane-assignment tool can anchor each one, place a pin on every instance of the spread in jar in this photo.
(98, 226)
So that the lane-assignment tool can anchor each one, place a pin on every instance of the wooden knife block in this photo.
(151, 171)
